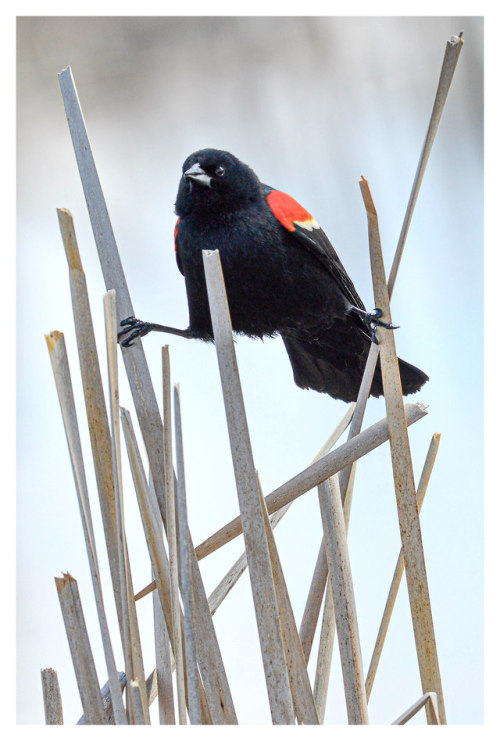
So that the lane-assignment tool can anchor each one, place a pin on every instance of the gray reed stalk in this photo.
(314, 599)
(172, 537)
(300, 685)
(337, 553)
(217, 704)
(81, 651)
(325, 651)
(208, 653)
(452, 51)
(451, 55)
(328, 624)
(332, 463)
(134, 360)
(404, 483)
(186, 573)
(229, 580)
(52, 703)
(106, 699)
(166, 707)
(60, 367)
(101, 443)
(251, 507)
(129, 624)
(327, 636)
(398, 571)
(429, 701)
(133, 357)
(100, 438)
(150, 517)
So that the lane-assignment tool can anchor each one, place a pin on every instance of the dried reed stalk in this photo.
(207, 649)
(300, 686)
(172, 539)
(339, 568)
(318, 583)
(214, 694)
(251, 507)
(141, 386)
(185, 573)
(223, 588)
(106, 699)
(327, 637)
(128, 624)
(314, 474)
(52, 702)
(311, 613)
(451, 55)
(325, 650)
(398, 572)
(60, 367)
(81, 651)
(429, 701)
(100, 438)
(165, 690)
(409, 522)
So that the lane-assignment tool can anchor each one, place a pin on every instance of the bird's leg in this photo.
(372, 320)
(134, 328)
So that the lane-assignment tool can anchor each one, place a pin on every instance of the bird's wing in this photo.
(295, 219)
(176, 242)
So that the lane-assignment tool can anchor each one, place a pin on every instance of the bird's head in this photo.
(215, 181)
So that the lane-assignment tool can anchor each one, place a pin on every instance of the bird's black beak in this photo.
(197, 174)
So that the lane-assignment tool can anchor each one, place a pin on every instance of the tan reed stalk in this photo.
(52, 702)
(60, 367)
(314, 474)
(81, 651)
(404, 483)
(252, 509)
(398, 571)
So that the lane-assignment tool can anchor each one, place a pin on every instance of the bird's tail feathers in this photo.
(338, 372)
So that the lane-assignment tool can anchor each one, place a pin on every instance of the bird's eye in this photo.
(220, 171)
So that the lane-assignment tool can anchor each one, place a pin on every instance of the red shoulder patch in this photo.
(176, 230)
(289, 212)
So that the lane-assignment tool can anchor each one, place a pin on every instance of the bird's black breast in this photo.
(272, 282)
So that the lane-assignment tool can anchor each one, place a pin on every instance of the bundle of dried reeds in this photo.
(185, 638)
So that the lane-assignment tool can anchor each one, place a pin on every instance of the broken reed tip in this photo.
(68, 235)
(63, 581)
(52, 339)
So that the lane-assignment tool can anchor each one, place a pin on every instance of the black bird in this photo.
(282, 277)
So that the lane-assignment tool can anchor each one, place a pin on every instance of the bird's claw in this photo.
(372, 320)
(134, 328)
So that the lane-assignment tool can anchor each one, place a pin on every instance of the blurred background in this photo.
(311, 103)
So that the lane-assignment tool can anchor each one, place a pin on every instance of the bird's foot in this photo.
(372, 321)
(133, 328)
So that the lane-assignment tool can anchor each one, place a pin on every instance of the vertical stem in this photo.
(81, 651)
(141, 386)
(60, 366)
(339, 568)
(52, 702)
(398, 571)
(251, 506)
(172, 539)
(128, 624)
(185, 572)
(406, 498)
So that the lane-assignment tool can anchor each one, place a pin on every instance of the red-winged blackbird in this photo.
(281, 273)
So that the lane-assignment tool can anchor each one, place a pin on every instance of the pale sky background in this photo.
(311, 104)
